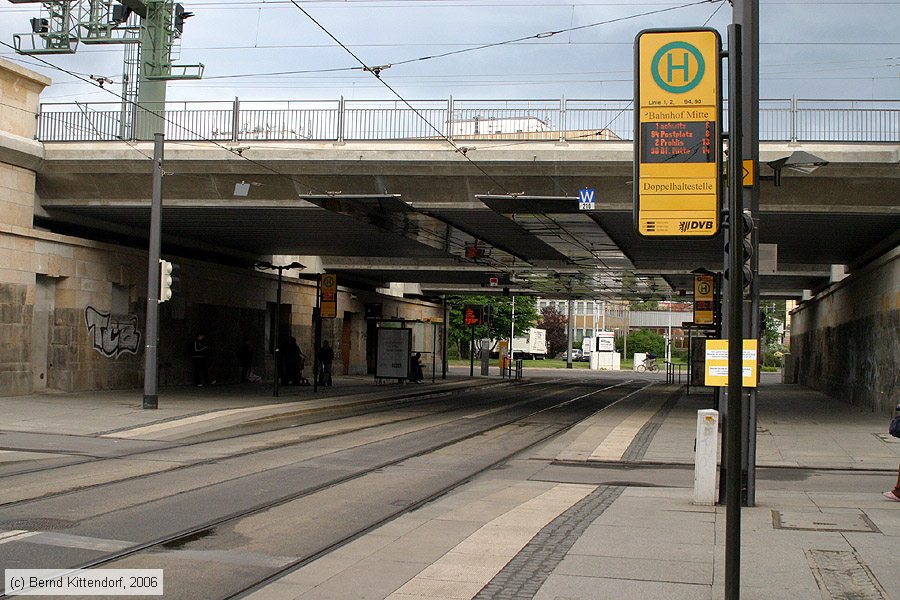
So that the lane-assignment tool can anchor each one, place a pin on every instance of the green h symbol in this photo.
(673, 67)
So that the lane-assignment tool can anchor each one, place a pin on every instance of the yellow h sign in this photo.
(704, 299)
(677, 133)
(328, 296)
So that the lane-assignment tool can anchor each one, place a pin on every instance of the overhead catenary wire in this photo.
(238, 153)
(376, 71)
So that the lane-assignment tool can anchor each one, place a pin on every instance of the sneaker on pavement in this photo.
(890, 496)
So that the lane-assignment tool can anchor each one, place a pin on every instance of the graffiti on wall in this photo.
(112, 335)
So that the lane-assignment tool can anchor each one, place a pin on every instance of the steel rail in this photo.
(322, 417)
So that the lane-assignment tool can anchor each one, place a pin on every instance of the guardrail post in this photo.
(562, 119)
(340, 123)
(235, 119)
(793, 119)
(450, 119)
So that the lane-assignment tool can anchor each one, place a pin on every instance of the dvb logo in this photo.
(695, 226)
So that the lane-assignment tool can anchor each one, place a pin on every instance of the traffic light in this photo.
(746, 246)
(120, 13)
(165, 280)
(180, 16)
(39, 25)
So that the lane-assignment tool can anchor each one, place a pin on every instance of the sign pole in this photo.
(445, 345)
(277, 334)
(746, 13)
(151, 373)
(472, 352)
(317, 333)
(735, 322)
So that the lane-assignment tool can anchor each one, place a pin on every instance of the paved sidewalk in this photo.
(820, 527)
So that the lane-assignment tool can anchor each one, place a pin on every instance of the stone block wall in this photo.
(81, 304)
(15, 338)
(846, 341)
(20, 91)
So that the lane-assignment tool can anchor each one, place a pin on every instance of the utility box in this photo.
(485, 356)
(706, 450)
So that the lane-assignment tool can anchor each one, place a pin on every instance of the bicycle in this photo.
(647, 367)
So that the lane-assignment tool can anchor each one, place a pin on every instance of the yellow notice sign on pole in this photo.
(677, 148)
(716, 366)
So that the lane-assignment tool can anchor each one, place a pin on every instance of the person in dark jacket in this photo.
(326, 357)
(417, 374)
(245, 358)
(200, 360)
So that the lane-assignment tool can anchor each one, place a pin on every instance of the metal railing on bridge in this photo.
(341, 120)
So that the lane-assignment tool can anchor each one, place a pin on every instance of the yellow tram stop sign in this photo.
(677, 147)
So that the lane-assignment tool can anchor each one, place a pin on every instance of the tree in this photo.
(772, 324)
(500, 309)
(643, 340)
(554, 322)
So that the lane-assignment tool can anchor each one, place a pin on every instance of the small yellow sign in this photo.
(704, 299)
(677, 138)
(716, 367)
(503, 353)
(748, 172)
(328, 296)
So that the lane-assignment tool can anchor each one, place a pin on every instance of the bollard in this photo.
(706, 447)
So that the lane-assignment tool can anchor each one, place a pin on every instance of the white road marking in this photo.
(616, 443)
(185, 421)
(16, 535)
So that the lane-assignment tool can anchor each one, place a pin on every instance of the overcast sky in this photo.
(809, 49)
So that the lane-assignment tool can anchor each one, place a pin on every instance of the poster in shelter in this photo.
(393, 353)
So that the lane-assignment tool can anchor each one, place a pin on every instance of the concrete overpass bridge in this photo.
(419, 211)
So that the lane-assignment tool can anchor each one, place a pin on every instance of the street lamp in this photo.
(280, 269)
(802, 162)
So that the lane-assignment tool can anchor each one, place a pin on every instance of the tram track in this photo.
(545, 403)
(309, 417)
(301, 419)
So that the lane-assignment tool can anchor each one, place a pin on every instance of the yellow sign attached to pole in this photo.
(677, 148)
(716, 367)
(704, 299)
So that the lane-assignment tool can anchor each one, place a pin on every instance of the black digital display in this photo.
(678, 142)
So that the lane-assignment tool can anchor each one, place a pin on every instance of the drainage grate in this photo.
(841, 575)
(818, 521)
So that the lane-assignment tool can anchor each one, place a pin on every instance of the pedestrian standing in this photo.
(894, 430)
(894, 494)
(326, 357)
(245, 357)
(200, 360)
(418, 375)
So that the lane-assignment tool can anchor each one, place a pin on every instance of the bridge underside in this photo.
(418, 212)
